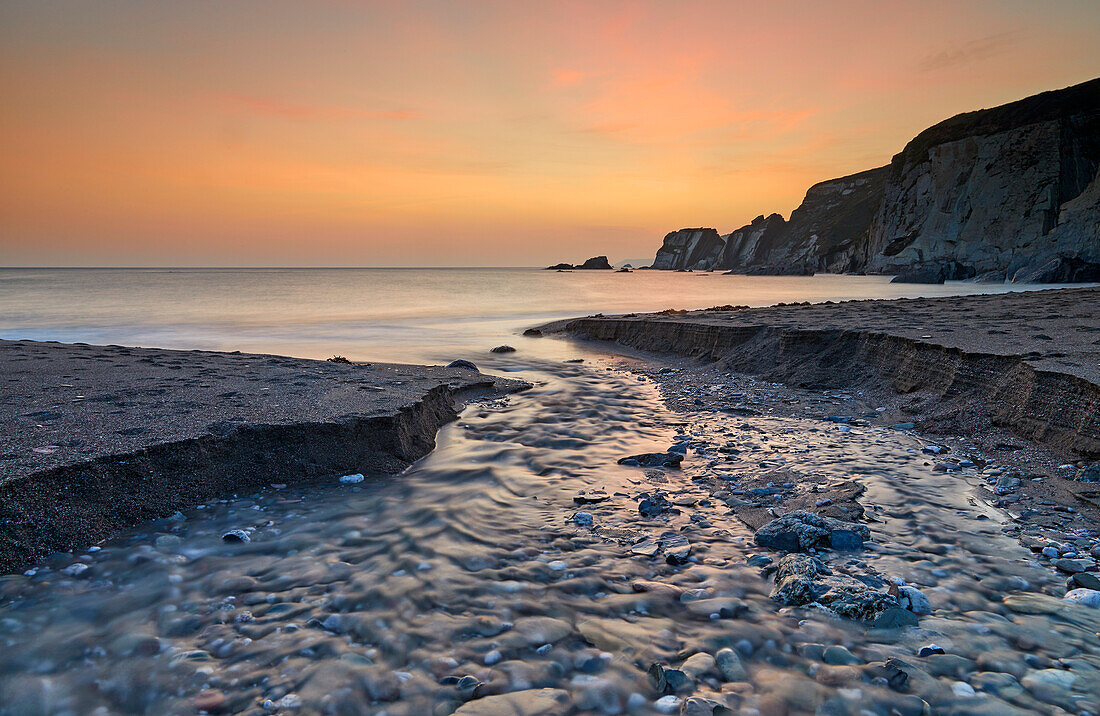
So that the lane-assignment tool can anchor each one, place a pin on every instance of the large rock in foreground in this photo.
(800, 531)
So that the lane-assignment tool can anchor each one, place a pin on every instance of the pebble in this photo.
(1088, 597)
(584, 519)
(930, 650)
(236, 536)
(76, 569)
(352, 479)
(668, 704)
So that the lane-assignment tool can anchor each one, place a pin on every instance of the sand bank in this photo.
(94, 439)
(1015, 376)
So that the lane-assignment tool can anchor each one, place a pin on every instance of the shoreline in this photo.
(95, 439)
(961, 373)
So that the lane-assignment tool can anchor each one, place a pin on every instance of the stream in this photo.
(466, 584)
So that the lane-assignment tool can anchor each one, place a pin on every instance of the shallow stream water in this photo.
(466, 578)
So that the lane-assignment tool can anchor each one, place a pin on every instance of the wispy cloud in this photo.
(565, 77)
(973, 51)
(295, 110)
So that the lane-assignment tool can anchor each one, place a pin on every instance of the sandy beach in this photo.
(94, 439)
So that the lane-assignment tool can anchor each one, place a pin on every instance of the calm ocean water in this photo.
(411, 315)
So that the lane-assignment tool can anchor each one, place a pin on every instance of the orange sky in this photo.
(472, 133)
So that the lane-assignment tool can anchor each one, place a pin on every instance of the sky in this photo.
(516, 133)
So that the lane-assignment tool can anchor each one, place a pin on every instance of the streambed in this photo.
(467, 579)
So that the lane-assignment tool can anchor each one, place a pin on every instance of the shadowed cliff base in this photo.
(94, 439)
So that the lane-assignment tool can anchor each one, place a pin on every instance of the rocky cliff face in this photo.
(1004, 193)
(1010, 193)
(690, 249)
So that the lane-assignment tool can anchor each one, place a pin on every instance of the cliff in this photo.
(690, 249)
(1009, 193)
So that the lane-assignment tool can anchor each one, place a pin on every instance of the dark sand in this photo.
(1053, 330)
(97, 438)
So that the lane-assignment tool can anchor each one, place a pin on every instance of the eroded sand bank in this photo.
(94, 439)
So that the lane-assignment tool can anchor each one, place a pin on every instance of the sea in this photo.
(381, 314)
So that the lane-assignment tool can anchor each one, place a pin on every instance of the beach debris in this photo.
(653, 459)
(236, 535)
(339, 359)
(799, 531)
(352, 479)
(502, 349)
(460, 363)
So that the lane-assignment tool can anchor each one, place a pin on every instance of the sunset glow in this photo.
(449, 133)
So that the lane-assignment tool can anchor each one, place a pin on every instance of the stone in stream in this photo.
(653, 459)
(502, 349)
(799, 531)
(802, 580)
(236, 536)
(699, 664)
(914, 600)
(661, 588)
(1088, 597)
(669, 681)
(895, 618)
(532, 702)
(536, 631)
(729, 663)
(1072, 566)
(655, 505)
(839, 656)
(583, 519)
(1088, 580)
(675, 546)
(591, 498)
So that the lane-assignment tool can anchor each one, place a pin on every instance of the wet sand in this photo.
(97, 438)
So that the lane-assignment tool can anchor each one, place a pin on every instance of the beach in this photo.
(763, 510)
(981, 374)
(98, 438)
